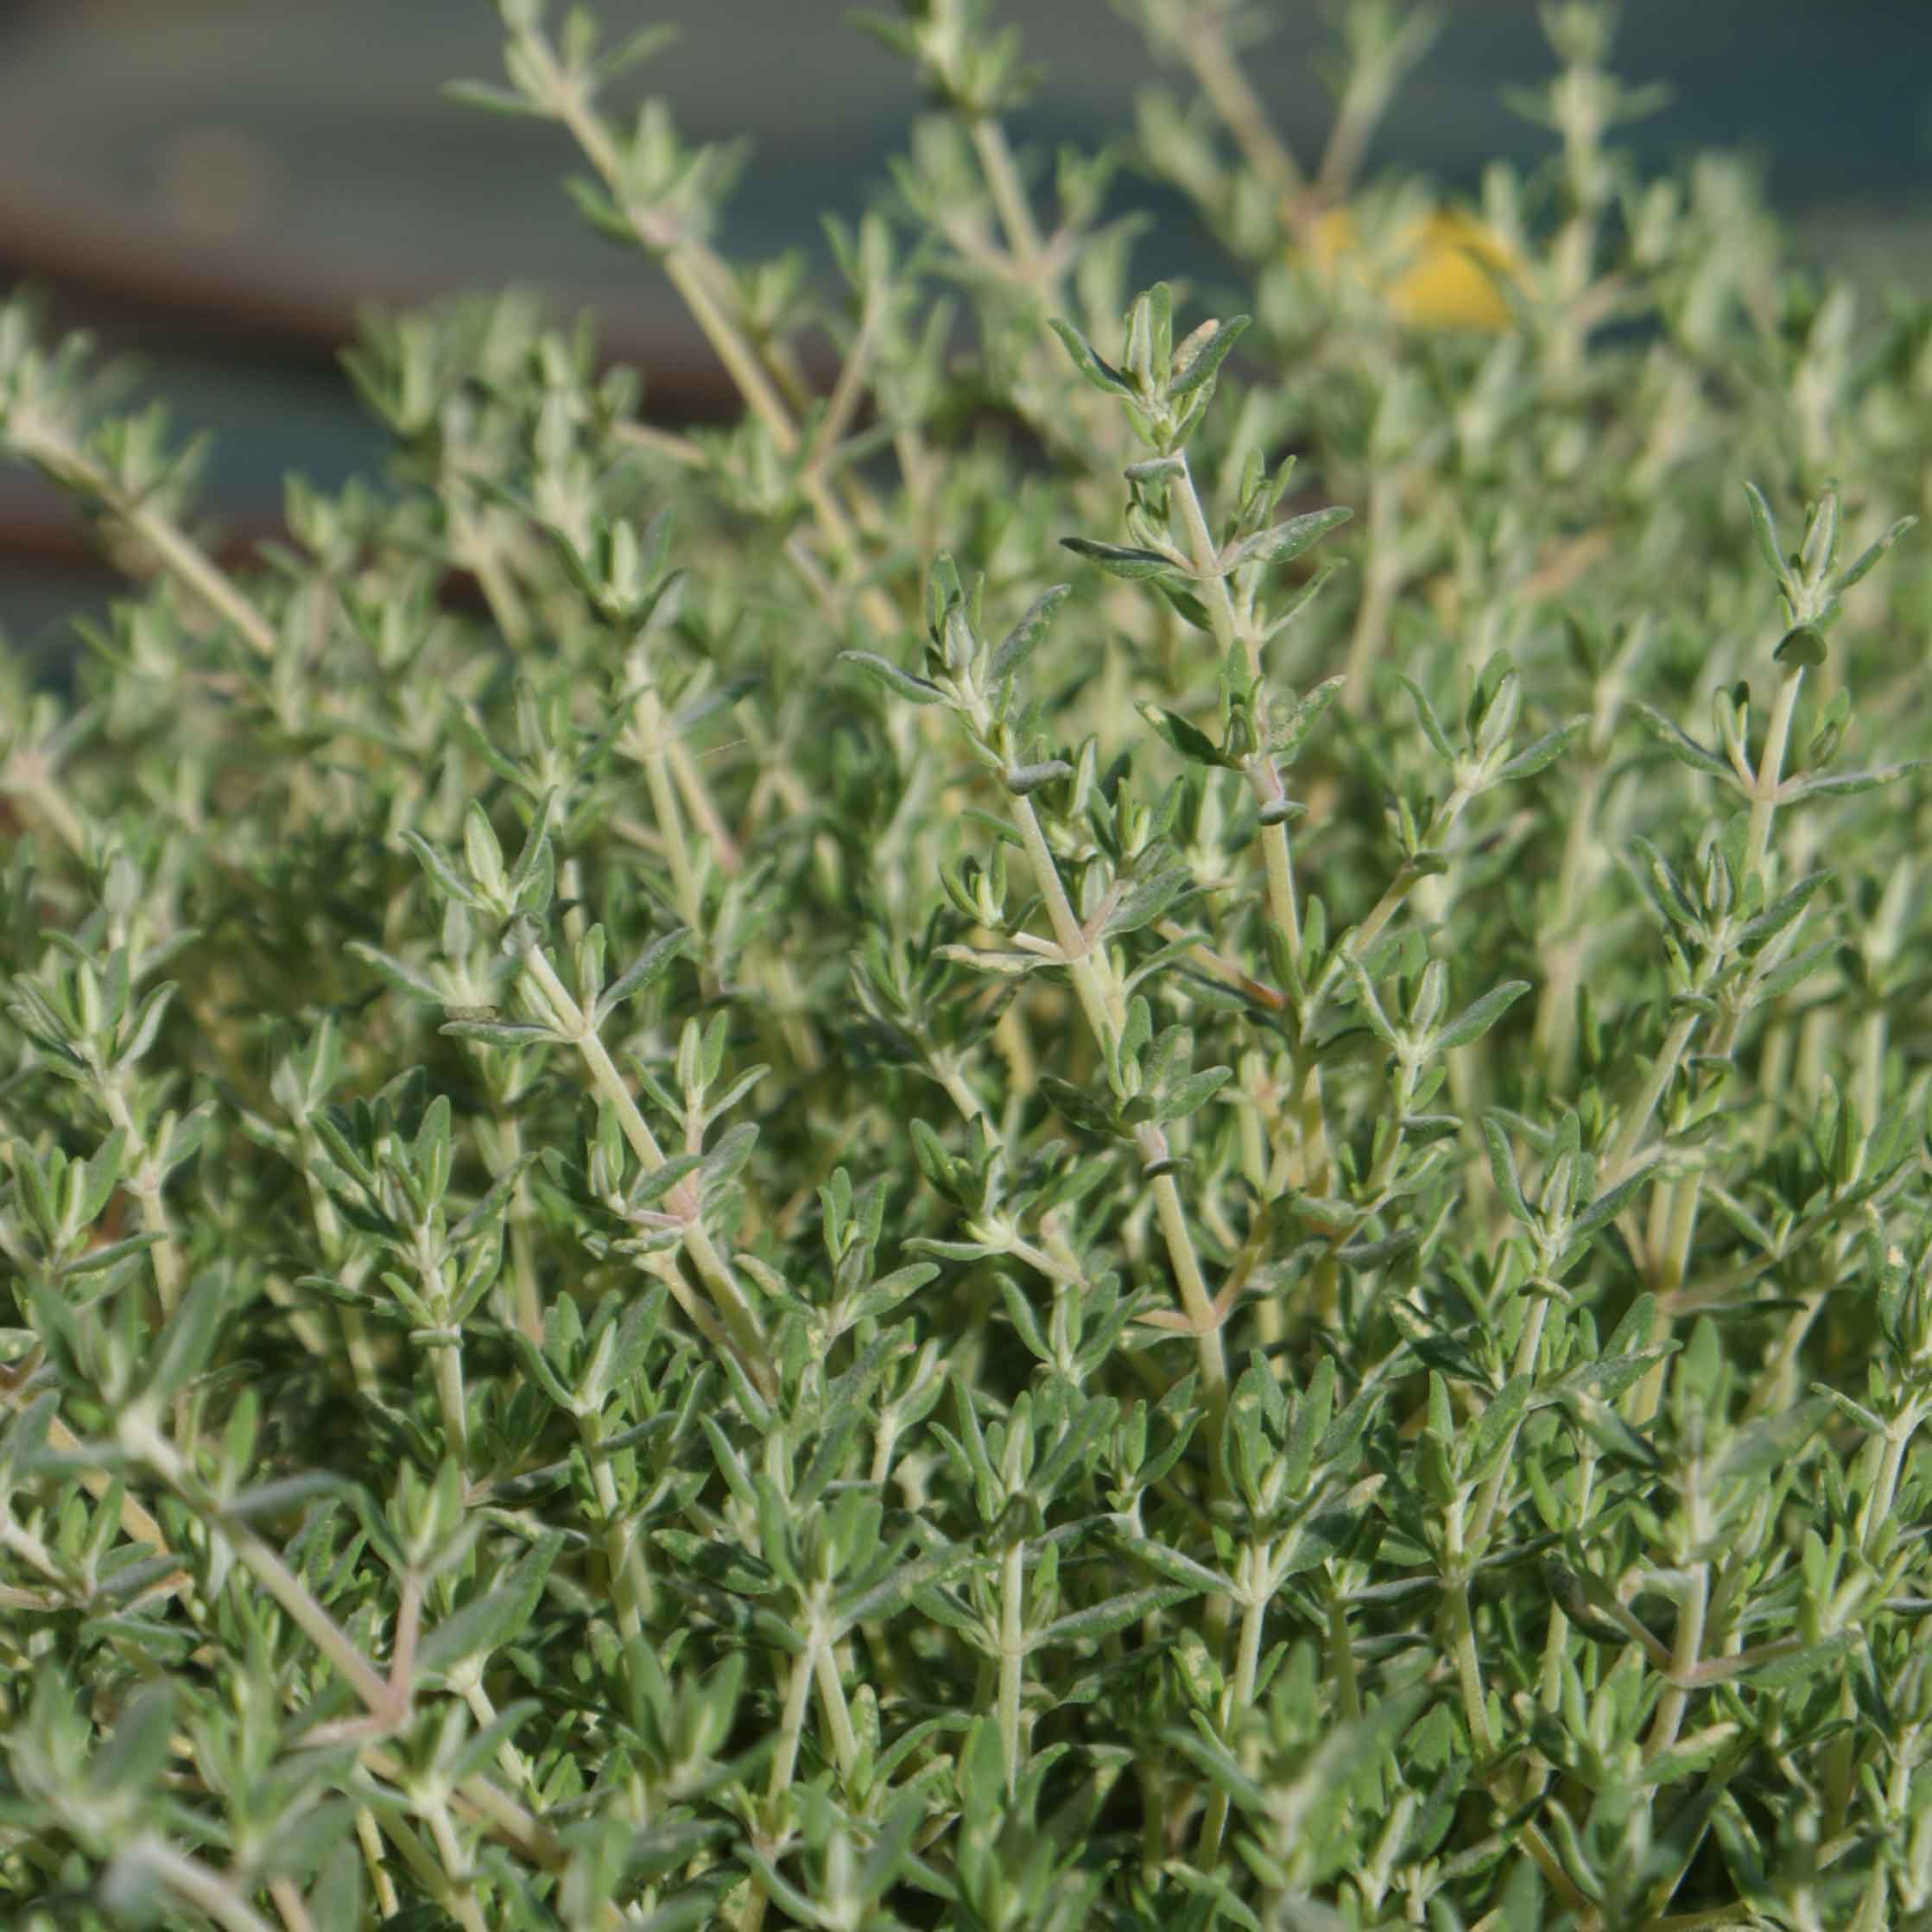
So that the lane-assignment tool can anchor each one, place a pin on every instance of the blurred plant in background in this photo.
(1128, 1129)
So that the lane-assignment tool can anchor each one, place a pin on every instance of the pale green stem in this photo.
(1012, 1655)
(791, 1725)
(629, 1584)
(143, 1181)
(666, 443)
(528, 1297)
(1770, 771)
(1341, 1656)
(1891, 1463)
(832, 1705)
(697, 275)
(1107, 1020)
(1556, 1028)
(179, 556)
(1682, 1219)
(447, 1364)
(1679, 1229)
(739, 1317)
(1239, 1697)
(47, 798)
(388, 1901)
(947, 1072)
(195, 1883)
(1200, 42)
(140, 1438)
(1526, 1349)
(432, 1874)
(686, 884)
(703, 808)
(1683, 1664)
(1617, 1163)
(1462, 1637)
(483, 1710)
(1231, 627)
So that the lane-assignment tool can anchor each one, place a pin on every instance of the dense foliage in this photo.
(953, 1164)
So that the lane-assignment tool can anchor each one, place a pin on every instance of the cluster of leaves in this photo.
(879, 1173)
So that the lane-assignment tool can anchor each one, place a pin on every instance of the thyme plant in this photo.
(1127, 1128)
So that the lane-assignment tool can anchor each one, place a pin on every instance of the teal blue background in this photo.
(217, 185)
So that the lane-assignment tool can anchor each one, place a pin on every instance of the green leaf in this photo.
(1119, 559)
(1503, 1171)
(495, 1618)
(1803, 647)
(1017, 645)
(442, 874)
(1187, 739)
(1102, 375)
(1867, 558)
(1190, 1095)
(1282, 542)
(1102, 1619)
(1025, 779)
(1208, 357)
(1479, 1017)
(1539, 753)
(1766, 528)
(901, 684)
(1290, 739)
(500, 1033)
(645, 971)
(1091, 1112)
(1683, 747)
(492, 100)
(1425, 714)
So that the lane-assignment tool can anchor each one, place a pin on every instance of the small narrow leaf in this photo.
(1282, 542)
(902, 684)
(1117, 560)
(1476, 1019)
(1209, 356)
(1016, 646)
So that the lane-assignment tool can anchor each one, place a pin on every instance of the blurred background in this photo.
(216, 187)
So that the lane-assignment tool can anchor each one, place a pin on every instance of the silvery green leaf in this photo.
(1479, 1017)
(1766, 528)
(1193, 1094)
(1425, 713)
(1149, 899)
(1101, 1619)
(1102, 375)
(1683, 747)
(442, 875)
(1016, 646)
(650, 966)
(1540, 752)
(1840, 784)
(1288, 741)
(902, 684)
(1282, 542)
(404, 977)
(1024, 780)
(1802, 646)
(1187, 739)
(1208, 356)
(1858, 569)
(500, 1033)
(1120, 559)
(492, 100)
